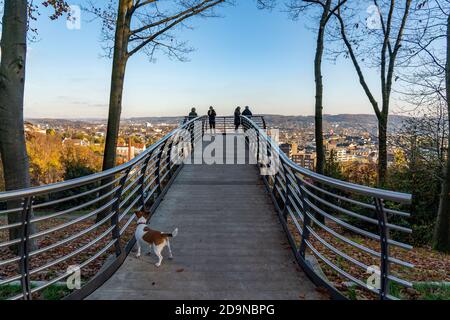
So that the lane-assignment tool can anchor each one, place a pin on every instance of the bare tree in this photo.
(327, 9)
(427, 89)
(381, 44)
(141, 26)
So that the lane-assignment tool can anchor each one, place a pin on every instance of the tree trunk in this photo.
(320, 150)
(12, 84)
(382, 150)
(441, 239)
(115, 110)
(319, 90)
(120, 59)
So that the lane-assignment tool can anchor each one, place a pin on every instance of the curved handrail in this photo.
(321, 215)
(313, 209)
(93, 214)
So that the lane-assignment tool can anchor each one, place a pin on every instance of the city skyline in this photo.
(267, 66)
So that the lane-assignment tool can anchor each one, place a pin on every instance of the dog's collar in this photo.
(142, 223)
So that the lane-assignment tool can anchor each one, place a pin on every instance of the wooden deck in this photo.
(230, 244)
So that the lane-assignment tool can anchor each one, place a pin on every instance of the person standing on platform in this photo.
(237, 118)
(212, 119)
(193, 114)
(247, 112)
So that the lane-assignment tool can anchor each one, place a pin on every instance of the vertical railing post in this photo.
(268, 154)
(24, 248)
(384, 244)
(287, 193)
(224, 126)
(306, 219)
(258, 138)
(116, 209)
(204, 126)
(191, 128)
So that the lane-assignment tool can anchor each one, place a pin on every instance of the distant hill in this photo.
(87, 122)
(367, 121)
(169, 120)
(53, 123)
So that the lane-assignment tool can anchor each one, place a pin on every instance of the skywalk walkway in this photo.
(230, 245)
(242, 235)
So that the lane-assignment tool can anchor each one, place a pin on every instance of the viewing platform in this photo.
(252, 225)
(230, 245)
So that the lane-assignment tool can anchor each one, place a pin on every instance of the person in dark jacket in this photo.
(212, 118)
(193, 114)
(237, 118)
(247, 112)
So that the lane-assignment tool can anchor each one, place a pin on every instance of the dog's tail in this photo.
(173, 234)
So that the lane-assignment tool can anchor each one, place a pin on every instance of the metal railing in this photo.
(226, 124)
(87, 222)
(344, 228)
(349, 229)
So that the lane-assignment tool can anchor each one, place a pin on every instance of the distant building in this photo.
(305, 159)
(343, 156)
(32, 129)
(130, 151)
(294, 149)
(286, 148)
(139, 148)
(76, 142)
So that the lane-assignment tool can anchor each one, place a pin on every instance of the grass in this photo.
(433, 291)
(8, 291)
(395, 289)
(352, 295)
(421, 291)
(53, 292)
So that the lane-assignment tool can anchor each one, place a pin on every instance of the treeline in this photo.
(53, 161)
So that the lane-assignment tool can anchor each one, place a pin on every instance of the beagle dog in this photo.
(148, 237)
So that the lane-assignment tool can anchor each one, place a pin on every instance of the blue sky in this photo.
(247, 57)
